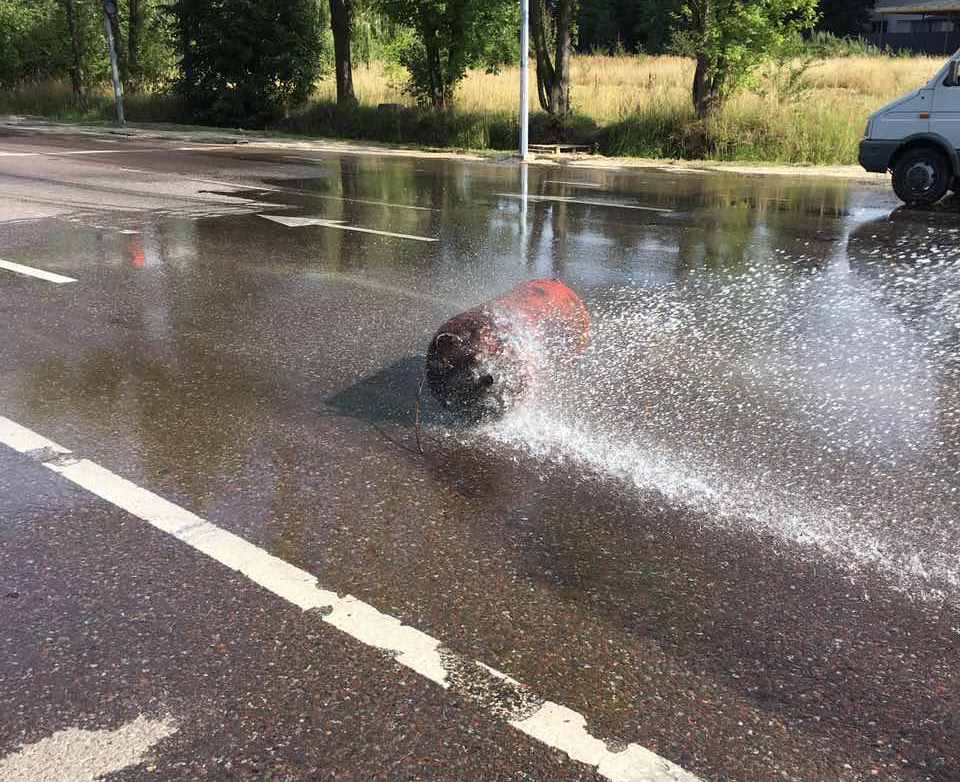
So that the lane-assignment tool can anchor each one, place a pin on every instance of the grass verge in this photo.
(625, 106)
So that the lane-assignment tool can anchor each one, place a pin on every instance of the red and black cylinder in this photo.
(484, 360)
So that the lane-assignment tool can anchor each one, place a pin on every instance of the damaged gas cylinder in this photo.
(481, 362)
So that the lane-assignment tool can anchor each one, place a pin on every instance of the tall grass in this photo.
(641, 106)
(624, 105)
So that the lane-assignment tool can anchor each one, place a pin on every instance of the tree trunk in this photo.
(550, 32)
(76, 44)
(560, 95)
(706, 81)
(134, 26)
(113, 16)
(438, 87)
(706, 89)
(341, 13)
(110, 13)
(541, 51)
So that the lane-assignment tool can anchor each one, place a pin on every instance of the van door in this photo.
(945, 112)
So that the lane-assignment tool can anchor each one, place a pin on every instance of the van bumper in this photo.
(875, 155)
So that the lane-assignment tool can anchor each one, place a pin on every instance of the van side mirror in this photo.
(953, 76)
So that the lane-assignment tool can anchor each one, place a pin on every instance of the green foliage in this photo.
(449, 37)
(373, 33)
(157, 49)
(247, 62)
(35, 42)
(784, 73)
(32, 36)
(731, 39)
(824, 45)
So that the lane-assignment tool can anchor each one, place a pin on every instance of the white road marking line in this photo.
(118, 151)
(23, 440)
(40, 274)
(550, 723)
(58, 152)
(75, 755)
(568, 200)
(574, 184)
(300, 222)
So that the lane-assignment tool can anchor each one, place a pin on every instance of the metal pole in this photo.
(109, 14)
(524, 197)
(524, 80)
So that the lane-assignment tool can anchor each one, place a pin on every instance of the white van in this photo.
(917, 137)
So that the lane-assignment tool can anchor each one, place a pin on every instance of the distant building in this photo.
(921, 26)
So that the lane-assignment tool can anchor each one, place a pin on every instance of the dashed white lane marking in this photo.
(24, 440)
(586, 202)
(75, 755)
(572, 184)
(545, 721)
(40, 274)
(300, 222)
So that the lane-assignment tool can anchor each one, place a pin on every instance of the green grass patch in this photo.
(752, 129)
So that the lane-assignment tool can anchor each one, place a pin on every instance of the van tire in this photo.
(922, 176)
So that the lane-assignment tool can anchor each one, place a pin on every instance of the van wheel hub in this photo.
(921, 177)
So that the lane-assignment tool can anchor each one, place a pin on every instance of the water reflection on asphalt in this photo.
(776, 354)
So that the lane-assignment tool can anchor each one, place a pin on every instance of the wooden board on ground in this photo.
(559, 148)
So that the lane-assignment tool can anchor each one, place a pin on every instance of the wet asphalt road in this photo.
(728, 533)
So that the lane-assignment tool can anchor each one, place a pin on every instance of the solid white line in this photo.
(550, 723)
(40, 274)
(568, 200)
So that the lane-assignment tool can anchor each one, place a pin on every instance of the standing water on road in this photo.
(812, 396)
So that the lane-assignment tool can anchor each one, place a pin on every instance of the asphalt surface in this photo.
(728, 532)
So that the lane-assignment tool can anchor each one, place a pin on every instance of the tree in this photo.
(134, 31)
(341, 22)
(730, 39)
(247, 62)
(449, 37)
(551, 31)
(76, 48)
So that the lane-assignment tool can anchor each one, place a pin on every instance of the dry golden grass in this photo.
(608, 88)
(645, 103)
(626, 105)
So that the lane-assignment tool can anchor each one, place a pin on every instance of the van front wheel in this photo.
(922, 176)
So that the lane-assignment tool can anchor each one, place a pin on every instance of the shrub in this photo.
(247, 62)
